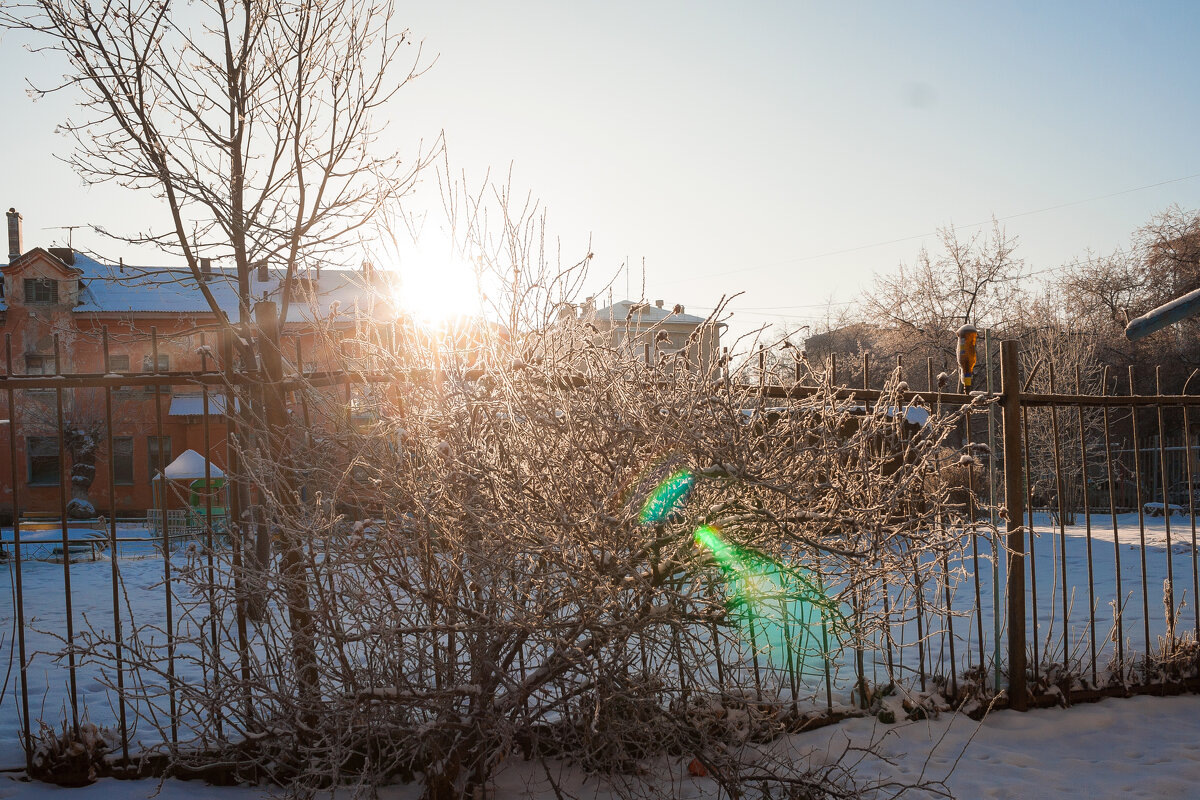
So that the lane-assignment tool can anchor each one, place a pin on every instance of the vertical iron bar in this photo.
(973, 530)
(1187, 460)
(1087, 523)
(825, 651)
(166, 534)
(1059, 488)
(1118, 610)
(718, 653)
(1014, 501)
(919, 589)
(754, 655)
(950, 626)
(118, 636)
(1141, 512)
(26, 732)
(789, 644)
(236, 523)
(210, 538)
(64, 480)
(995, 536)
(887, 632)
(1169, 589)
(1037, 668)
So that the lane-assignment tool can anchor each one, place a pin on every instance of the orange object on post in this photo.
(967, 336)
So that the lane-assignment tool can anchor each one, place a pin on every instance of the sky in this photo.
(789, 151)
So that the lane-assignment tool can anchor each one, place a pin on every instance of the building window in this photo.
(164, 363)
(39, 365)
(158, 448)
(118, 362)
(123, 460)
(41, 290)
(43, 461)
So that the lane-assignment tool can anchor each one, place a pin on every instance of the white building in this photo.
(654, 331)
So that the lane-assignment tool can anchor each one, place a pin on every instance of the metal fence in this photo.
(1040, 604)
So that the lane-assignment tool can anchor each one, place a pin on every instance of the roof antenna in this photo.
(626, 277)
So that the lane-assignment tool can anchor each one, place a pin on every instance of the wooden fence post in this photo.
(1014, 503)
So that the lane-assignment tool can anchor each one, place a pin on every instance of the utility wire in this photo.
(902, 239)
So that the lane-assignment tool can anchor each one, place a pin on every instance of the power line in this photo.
(902, 239)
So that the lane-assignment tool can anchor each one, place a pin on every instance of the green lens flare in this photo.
(666, 496)
(777, 608)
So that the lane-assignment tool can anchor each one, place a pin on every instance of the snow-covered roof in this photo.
(123, 289)
(644, 314)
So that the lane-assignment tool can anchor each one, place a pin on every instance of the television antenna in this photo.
(70, 229)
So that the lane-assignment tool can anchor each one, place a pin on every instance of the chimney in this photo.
(367, 268)
(658, 303)
(14, 235)
(205, 268)
(262, 271)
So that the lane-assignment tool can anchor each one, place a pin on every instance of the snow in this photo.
(1100, 750)
(642, 314)
(1142, 747)
(130, 289)
(1156, 509)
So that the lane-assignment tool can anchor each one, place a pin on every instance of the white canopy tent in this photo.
(189, 521)
(189, 467)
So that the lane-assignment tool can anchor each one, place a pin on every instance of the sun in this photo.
(435, 289)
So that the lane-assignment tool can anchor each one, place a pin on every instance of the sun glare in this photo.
(436, 290)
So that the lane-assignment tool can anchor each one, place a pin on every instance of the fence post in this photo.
(1014, 502)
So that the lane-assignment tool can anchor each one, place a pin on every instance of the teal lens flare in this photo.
(666, 497)
(777, 608)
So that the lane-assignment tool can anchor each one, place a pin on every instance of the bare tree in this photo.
(916, 309)
(257, 123)
(1058, 357)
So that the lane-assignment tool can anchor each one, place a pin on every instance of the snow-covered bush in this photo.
(70, 757)
(523, 539)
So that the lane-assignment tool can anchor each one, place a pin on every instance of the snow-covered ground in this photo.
(1008, 751)
(1144, 747)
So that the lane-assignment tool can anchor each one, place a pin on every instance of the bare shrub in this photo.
(469, 562)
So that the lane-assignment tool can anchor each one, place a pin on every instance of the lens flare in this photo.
(777, 607)
(663, 501)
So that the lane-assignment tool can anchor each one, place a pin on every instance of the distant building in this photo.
(653, 332)
(157, 321)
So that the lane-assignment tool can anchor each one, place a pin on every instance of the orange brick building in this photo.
(59, 309)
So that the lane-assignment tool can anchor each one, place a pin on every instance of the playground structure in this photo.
(198, 493)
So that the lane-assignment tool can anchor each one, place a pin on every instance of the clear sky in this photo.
(765, 147)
